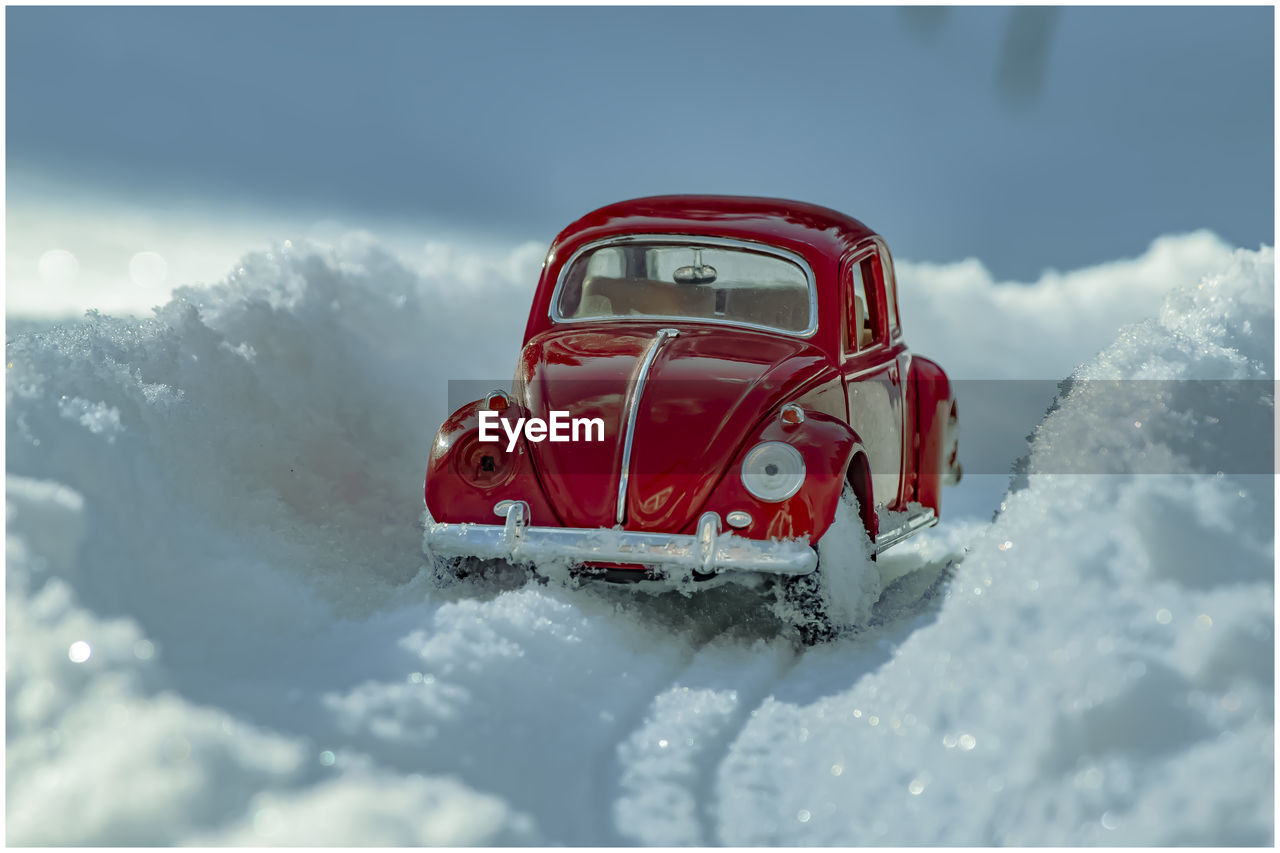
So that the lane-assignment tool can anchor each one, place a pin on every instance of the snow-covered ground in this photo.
(218, 630)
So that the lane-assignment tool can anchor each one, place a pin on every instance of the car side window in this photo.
(862, 327)
(890, 291)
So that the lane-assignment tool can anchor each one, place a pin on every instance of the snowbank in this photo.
(218, 631)
(981, 328)
(1101, 671)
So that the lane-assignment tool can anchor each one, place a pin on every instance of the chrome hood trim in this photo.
(632, 409)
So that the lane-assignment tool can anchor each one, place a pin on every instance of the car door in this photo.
(872, 373)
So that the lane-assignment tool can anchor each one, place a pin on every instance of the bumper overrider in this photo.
(708, 551)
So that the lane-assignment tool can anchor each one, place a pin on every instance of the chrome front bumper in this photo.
(708, 551)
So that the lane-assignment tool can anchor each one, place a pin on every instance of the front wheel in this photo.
(841, 591)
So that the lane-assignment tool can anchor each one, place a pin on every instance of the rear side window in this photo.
(862, 326)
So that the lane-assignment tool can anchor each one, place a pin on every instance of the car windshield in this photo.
(700, 281)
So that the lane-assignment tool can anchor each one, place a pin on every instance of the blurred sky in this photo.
(1028, 137)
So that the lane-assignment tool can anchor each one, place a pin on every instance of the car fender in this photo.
(934, 406)
(828, 446)
(458, 489)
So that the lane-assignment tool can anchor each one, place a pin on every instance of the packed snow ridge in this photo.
(219, 630)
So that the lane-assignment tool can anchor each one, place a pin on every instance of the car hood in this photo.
(706, 390)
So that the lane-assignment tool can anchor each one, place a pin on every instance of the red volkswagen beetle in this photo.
(706, 383)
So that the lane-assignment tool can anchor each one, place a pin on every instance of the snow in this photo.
(220, 506)
(69, 251)
(1101, 669)
(971, 323)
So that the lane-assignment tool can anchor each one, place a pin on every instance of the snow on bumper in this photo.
(708, 551)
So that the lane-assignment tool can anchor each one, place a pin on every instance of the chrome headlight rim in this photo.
(777, 452)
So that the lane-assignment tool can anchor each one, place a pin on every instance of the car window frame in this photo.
(852, 259)
(889, 284)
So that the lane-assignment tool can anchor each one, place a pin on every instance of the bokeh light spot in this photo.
(58, 266)
(148, 269)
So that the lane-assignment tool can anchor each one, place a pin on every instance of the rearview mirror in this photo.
(698, 273)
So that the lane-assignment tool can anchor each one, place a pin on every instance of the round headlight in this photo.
(773, 471)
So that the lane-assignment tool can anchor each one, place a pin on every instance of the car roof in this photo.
(807, 229)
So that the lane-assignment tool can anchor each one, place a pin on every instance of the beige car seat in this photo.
(779, 307)
(860, 323)
(622, 296)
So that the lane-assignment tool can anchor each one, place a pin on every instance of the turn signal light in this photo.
(497, 401)
(792, 414)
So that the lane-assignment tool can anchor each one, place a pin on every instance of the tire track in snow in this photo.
(663, 768)
(695, 624)
(909, 603)
(708, 798)
(663, 778)
(602, 792)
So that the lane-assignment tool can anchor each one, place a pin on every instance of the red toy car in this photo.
(702, 379)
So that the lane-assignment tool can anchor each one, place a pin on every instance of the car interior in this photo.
(677, 281)
(862, 322)
(780, 307)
